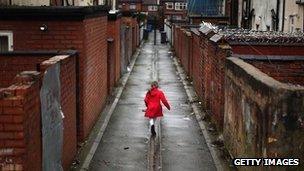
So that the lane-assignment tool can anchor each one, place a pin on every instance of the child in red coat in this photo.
(154, 109)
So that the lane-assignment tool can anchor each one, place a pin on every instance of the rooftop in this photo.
(250, 36)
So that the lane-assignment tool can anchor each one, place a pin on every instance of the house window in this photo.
(132, 6)
(6, 41)
(152, 8)
(169, 5)
(176, 17)
(180, 6)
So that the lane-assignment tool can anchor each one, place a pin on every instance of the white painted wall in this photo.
(31, 2)
(83, 2)
(240, 13)
(262, 13)
(293, 13)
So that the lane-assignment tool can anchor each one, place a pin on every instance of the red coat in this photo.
(152, 101)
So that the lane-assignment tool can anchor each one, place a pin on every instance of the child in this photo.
(154, 108)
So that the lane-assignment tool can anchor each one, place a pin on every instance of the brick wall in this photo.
(206, 69)
(175, 39)
(61, 35)
(68, 104)
(207, 60)
(88, 37)
(185, 50)
(262, 115)
(214, 56)
(132, 33)
(197, 65)
(127, 21)
(114, 32)
(266, 49)
(24, 62)
(10, 66)
(20, 140)
(287, 71)
(93, 75)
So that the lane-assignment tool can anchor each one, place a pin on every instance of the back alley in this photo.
(126, 142)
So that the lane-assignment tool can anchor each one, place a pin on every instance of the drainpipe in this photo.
(113, 5)
(283, 16)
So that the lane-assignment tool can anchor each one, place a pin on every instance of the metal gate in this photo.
(52, 123)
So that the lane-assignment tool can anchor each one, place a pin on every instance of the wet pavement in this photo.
(126, 142)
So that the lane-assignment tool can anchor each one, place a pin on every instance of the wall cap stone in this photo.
(51, 12)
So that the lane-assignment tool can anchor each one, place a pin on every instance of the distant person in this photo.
(154, 108)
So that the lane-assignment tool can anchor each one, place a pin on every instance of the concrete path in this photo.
(126, 142)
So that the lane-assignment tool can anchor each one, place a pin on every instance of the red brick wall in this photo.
(114, 50)
(184, 51)
(190, 48)
(61, 35)
(267, 50)
(114, 32)
(283, 71)
(217, 84)
(131, 35)
(175, 39)
(10, 66)
(197, 65)
(68, 104)
(262, 116)
(126, 6)
(94, 72)
(206, 69)
(179, 43)
(20, 129)
(207, 59)
(15, 64)
(88, 37)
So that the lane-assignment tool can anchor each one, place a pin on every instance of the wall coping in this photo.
(258, 77)
(207, 17)
(195, 31)
(235, 43)
(39, 53)
(52, 12)
(269, 57)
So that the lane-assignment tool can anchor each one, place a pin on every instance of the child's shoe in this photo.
(153, 130)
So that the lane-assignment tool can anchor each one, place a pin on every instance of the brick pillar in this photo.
(114, 25)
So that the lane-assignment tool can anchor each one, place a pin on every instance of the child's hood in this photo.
(153, 91)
